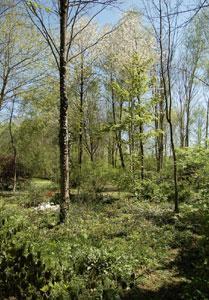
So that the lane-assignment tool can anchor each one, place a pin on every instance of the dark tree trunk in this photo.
(173, 150)
(92, 157)
(166, 81)
(111, 151)
(161, 127)
(132, 127)
(165, 144)
(114, 154)
(141, 143)
(92, 150)
(141, 151)
(4, 85)
(113, 161)
(80, 146)
(182, 137)
(117, 134)
(63, 135)
(14, 149)
(188, 103)
(187, 123)
(207, 123)
(157, 138)
(120, 148)
(176, 208)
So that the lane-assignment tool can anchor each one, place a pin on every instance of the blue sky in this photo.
(111, 15)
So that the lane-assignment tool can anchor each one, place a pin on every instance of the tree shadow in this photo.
(191, 262)
(168, 292)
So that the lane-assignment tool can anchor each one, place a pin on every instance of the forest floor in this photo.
(154, 253)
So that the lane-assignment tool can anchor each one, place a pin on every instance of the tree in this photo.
(13, 144)
(194, 51)
(165, 65)
(18, 66)
(166, 33)
(117, 67)
(92, 122)
(17, 56)
(84, 75)
(68, 13)
(132, 90)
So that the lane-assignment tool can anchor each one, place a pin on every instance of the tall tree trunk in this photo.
(132, 127)
(176, 200)
(141, 143)
(188, 102)
(166, 80)
(207, 123)
(160, 138)
(63, 135)
(91, 148)
(80, 147)
(157, 137)
(182, 143)
(120, 150)
(199, 131)
(165, 143)
(187, 123)
(168, 116)
(161, 127)
(113, 158)
(131, 130)
(141, 130)
(109, 151)
(113, 152)
(14, 149)
(117, 134)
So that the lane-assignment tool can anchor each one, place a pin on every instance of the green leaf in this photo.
(45, 288)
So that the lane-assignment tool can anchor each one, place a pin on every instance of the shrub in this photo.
(93, 180)
(193, 166)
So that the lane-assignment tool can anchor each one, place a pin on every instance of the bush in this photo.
(93, 179)
(149, 190)
(193, 167)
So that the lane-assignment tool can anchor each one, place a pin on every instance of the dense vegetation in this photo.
(119, 247)
(104, 157)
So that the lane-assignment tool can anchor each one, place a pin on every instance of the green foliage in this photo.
(91, 256)
(84, 264)
(92, 179)
(193, 168)
(146, 189)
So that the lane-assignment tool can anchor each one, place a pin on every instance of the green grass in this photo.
(124, 249)
(39, 183)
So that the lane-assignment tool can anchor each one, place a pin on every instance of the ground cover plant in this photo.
(123, 249)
